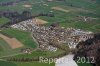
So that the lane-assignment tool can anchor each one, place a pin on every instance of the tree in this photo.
(26, 13)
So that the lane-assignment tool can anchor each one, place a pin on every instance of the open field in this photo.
(6, 50)
(13, 42)
(3, 20)
(26, 41)
(1, 48)
(35, 64)
(4, 63)
(60, 9)
(38, 21)
(24, 37)
(36, 54)
(74, 9)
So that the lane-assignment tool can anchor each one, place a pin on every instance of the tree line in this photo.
(16, 17)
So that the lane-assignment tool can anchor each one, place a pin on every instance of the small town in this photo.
(53, 34)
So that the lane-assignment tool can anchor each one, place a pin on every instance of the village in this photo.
(65, 30)
(48, 37)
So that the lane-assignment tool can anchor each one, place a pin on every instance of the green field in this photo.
(37, 54)
(34, 64)
(3, 63)
(1, 48)
(3, 20)
(84, 64)
(27, 41)
(22, 36)
(6, 50)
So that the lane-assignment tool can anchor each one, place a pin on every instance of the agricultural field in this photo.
(36, 54)
(68, 13)
(5, 49)
(3, 20)
(26, 40)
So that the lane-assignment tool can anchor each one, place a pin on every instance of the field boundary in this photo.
(12, 42)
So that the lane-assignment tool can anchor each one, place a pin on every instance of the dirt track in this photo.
(13, 42)
(27, 6)
(60, 9)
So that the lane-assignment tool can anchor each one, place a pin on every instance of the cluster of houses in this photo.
(54, 34)
(85, 19)
(24, 25)
(58, 35)
(26, 50)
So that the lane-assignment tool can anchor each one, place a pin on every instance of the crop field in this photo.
(6, 50)
(22, 36)
(3, 20)
(68, 13)
(13, 42)
(26, 40)
(60, 9)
